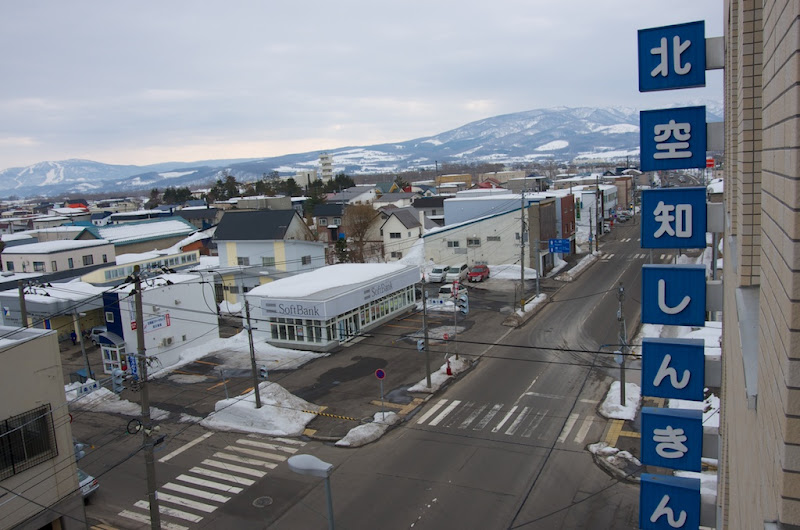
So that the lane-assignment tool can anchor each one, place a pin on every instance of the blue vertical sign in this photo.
(673, 368)
(672, 138)
(674, 218)
(672, 438)
(674, 295)
(666, 503)
(672, 57)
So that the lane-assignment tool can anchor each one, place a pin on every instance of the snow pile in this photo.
(415, 255)
(619, 463)
(645, 331)
(530, 305)
(573, 273)
(510, 272)
(611, 407)
(227, 308)
(709, 406)
(708, 481)
(369, 432)
(281, 413)
(439, 377)
(104, 400)
(559, 265)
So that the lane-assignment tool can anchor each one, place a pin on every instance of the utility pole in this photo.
(78, 331)
(590, 229)
(538, 266)
(522, 251)
(623, 340)
(23, 310)
(425, 331)
(147, 427)
(252, 354)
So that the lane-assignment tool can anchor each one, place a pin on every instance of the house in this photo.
(142, 236)
(38, 475)
(399, 199)
(328, 224)
(402, 228)
(264, 241)
(354, 195)
(58, 256)
(432, 207)
(201, 217)
(263, 202)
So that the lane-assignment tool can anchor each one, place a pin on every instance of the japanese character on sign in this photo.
(674, 294)
(669, 442)
(674, 218)
(673, 368)
(673, 138)
(680, 131)
(672, 57)
(672, 438)
(669, 502)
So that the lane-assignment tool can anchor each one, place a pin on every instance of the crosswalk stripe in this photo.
(431, 411)
(253, 452)
(475, 413)
(534, 424)
(172, 512)
(263, 445)
(196, 492)
(435, 421)
(568, 427)
(180, 501)
(505, 419)
(232, 467)
(222, 476)
(141, 518)
(514, 426)
(243, 460)
(489, 415)
(209, 484)
(288, 441)
(584, 430)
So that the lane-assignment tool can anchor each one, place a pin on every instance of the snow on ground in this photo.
(439, 377)
(622, 464)
(227, 308)
(234, 353)
(510, 272)
(559, 264)
(281, 413)
(104, 400)
(573, 273)
(415, 255)
(611, 407)
(369, 432)
(530, 305)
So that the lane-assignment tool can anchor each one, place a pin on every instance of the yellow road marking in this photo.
(218, 384)
(630, 434)
(411, 406)
(613, 432)
(207, 362)
(246, 391)
(392, 405)
(403, 327)
(184, 372)
(309, 432)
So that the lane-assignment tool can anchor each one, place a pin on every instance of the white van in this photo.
(457, 272)
(438, 273)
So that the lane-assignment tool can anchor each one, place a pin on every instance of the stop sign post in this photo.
(380, 374)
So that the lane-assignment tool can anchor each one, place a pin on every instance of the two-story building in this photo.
(54, 256)
(402, 228)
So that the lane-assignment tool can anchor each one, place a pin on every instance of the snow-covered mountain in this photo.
(561, 134)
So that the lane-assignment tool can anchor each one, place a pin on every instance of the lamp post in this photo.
(313, 466)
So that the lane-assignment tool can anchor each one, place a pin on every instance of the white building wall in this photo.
(399, 246)
(26, 262)
(497, 238)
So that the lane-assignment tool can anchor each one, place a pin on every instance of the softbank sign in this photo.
(292, 309)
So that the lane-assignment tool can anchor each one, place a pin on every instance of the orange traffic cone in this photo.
(449, 371)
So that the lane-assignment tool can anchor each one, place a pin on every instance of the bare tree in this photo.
(356, 221)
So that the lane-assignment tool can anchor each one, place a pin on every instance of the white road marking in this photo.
(505, 419)
(550, 396)
(253, 452)
(584, 430)
(568, 427)
(471, 417)
(196, 492)
(183, 448)
(431, 411)
(209, 483)
(590, 401)
(514, 426)
(141, 518)
(231, 467)
(180, 501)
(264, 445)
(534, 424)
(442, 415)
(489, 415)
(172, 512)
(243, 460)
(222, 476)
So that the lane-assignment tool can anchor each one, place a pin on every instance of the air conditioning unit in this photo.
(167, 341)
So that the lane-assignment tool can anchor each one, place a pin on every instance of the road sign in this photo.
(668, 502)
(672, 438)
(673, 138)
(133, 366)
(672, 57)
(674, 294)
(709, 162)
(673, 368)
(674, 218)
(380, 374)
(561, 246)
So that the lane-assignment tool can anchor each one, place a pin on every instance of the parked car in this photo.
(438, 273)
(446, 291)
(88, 485)
(606, 227)
(95, 333)
(457, 273)
(478, 273)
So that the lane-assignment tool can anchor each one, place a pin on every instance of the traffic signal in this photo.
(420, 344)
(117, 378)
(262, 372)
(463, 303)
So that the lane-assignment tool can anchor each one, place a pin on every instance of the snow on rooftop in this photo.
(123, 233)
(325, 278)
(46, 247)
(15, 237)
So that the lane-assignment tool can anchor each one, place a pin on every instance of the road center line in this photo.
(183, 448)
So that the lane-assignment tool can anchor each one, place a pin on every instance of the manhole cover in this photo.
(262, 502)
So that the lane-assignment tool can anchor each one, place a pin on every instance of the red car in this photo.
(478, 273)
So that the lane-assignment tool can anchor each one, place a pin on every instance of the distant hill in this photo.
(561, 133)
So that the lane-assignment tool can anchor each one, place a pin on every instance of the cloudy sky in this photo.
(146, 82)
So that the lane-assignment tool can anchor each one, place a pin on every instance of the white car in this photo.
(88, 485)
(438, 273)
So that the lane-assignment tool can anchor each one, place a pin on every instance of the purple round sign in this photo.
(380, 374)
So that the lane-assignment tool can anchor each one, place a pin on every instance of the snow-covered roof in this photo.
(129, 232)
(48, 247)
(15, 237)
(340, 277)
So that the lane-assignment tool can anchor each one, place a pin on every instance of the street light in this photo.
(313, 466)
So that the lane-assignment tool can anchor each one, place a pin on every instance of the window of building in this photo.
(323, 221)
(88, 260)
(453, 244)
(28, 440)
(38, 266)
(492, 238)
(337, 221)
(70, 263)
(53, 266)
(267, 261)
(394, 235)
(305, 260)
(105, 258)
(9, 265)
(233, 289)
(474, 242)
(397, 255)
(109, 317)
(243, 261)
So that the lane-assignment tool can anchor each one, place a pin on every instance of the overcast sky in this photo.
(146, 82)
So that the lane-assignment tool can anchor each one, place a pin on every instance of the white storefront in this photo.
(321, 309)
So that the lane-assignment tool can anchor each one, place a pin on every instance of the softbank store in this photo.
(321, 309)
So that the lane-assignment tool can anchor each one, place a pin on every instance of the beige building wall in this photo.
(760, 428)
